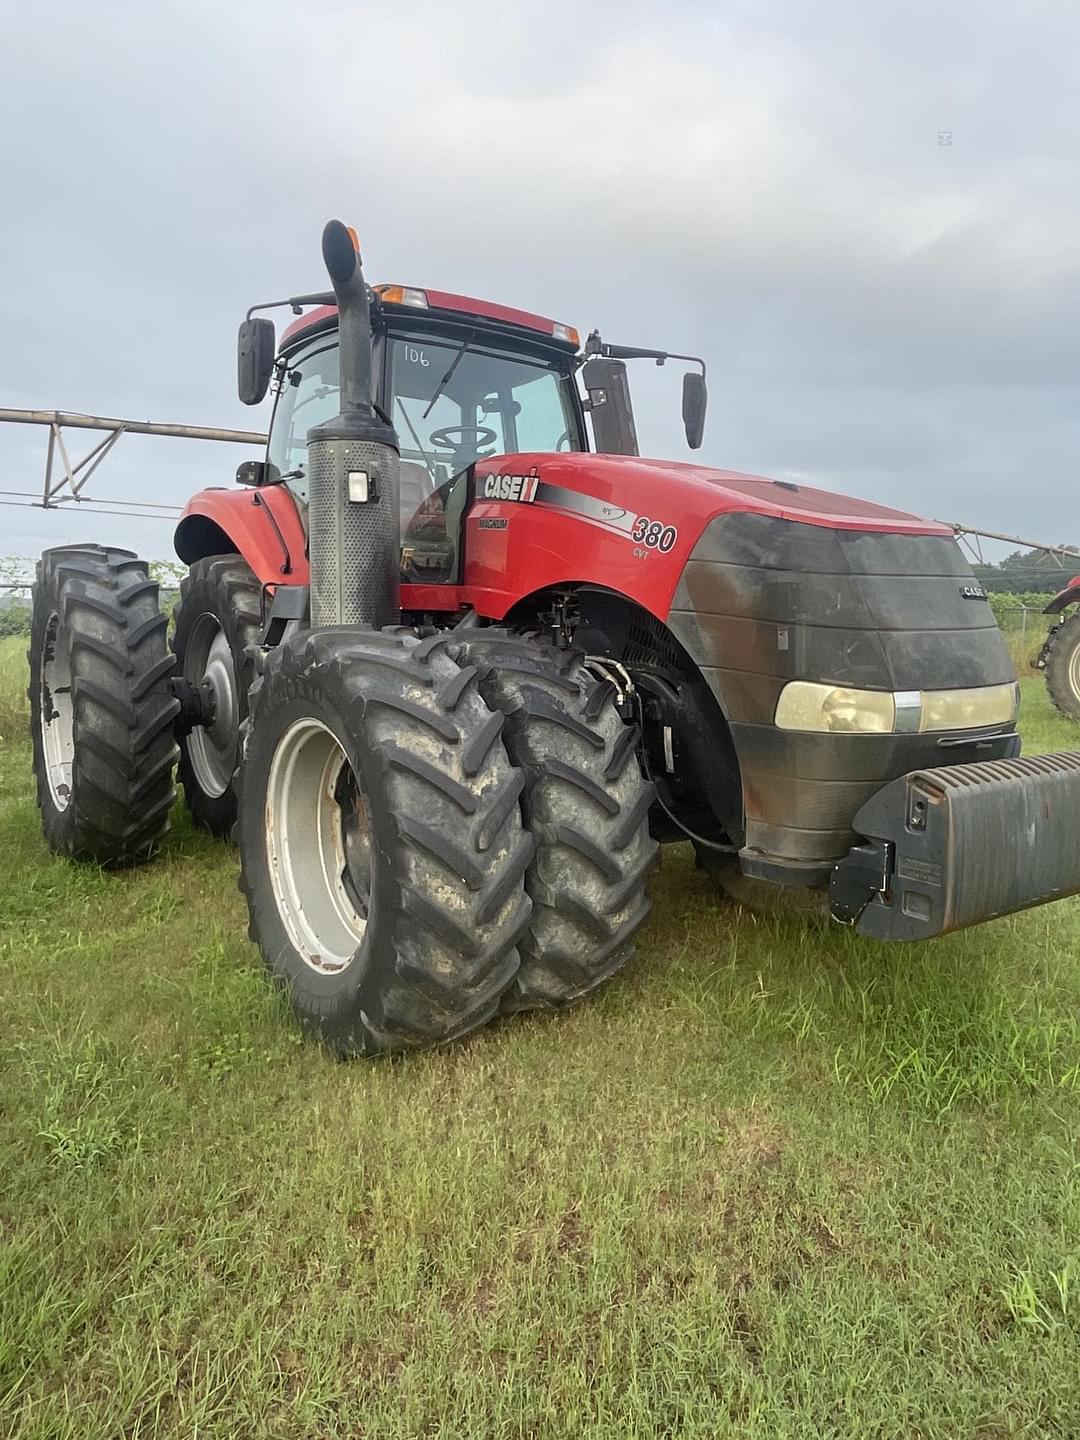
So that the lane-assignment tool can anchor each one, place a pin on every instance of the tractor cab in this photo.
(458, 383)
(453, 381)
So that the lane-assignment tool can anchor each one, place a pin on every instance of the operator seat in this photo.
(416, 486)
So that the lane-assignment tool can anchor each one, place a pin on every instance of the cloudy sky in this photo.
(762, 182)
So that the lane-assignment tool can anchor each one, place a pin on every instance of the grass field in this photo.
(776, 1182)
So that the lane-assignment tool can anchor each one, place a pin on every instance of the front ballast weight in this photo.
(954, 846)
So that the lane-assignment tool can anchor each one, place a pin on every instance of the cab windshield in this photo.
(453, 404)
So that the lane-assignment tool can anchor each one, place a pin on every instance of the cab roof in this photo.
(444, 301)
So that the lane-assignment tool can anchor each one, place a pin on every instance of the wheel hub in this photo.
(318, 845)
(57, 713)
(215, 710)
(356, 835)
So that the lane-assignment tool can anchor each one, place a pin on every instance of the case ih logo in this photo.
(511, 487)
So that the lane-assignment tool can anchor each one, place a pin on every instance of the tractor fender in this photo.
(1064, 598)
(263, 526)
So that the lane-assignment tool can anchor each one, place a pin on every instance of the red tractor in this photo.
(452, 676)
(1060, 654)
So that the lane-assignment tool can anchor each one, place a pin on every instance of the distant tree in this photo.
(14, 619)
(14, 603)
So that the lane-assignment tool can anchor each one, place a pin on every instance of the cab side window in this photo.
(309, 396)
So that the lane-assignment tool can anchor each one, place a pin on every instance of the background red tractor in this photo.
(453, 676)
(1060, 655)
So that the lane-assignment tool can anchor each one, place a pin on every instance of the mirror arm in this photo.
(595, 346)
(691, 359)
(296, 302)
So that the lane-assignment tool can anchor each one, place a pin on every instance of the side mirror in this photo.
(695, 398)
(609, 406)
(255, 347)
(258, 473)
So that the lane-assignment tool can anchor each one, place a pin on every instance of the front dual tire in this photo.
(436, 831)
(381, 841)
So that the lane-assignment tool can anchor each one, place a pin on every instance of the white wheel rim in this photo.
(212, 748)
(1074, 671)
(311, 871)
(56, 712)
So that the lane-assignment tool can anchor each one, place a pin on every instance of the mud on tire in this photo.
(1063, 667)
(381, 845)
(101, 705)
(586, 805)
(218, 624)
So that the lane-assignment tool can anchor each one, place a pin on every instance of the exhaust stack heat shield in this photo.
(353, 524)
(354, 529)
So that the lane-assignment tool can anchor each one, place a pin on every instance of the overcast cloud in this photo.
(758, 182)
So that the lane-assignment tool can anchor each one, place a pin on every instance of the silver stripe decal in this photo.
(614, 517)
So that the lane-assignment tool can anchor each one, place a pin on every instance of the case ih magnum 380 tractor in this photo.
(452, 676)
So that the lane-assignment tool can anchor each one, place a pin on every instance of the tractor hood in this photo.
(700, 490)
(634, 525)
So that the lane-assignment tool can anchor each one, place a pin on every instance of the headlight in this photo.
(968, 709)
(839, 710)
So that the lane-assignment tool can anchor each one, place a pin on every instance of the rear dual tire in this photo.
(101, 705)
(217, 632)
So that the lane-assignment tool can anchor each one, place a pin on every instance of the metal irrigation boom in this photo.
(968, 535)
(70, 486)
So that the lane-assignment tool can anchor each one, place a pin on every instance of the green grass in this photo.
(13, 712)
(776, 1181)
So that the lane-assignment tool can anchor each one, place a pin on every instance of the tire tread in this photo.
(123, 709)
(443, 949)
(225, 586)
(586, 805)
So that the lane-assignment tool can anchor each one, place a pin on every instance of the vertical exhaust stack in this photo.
(353, 471)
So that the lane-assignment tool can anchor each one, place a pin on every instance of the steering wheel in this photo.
(470, 437)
